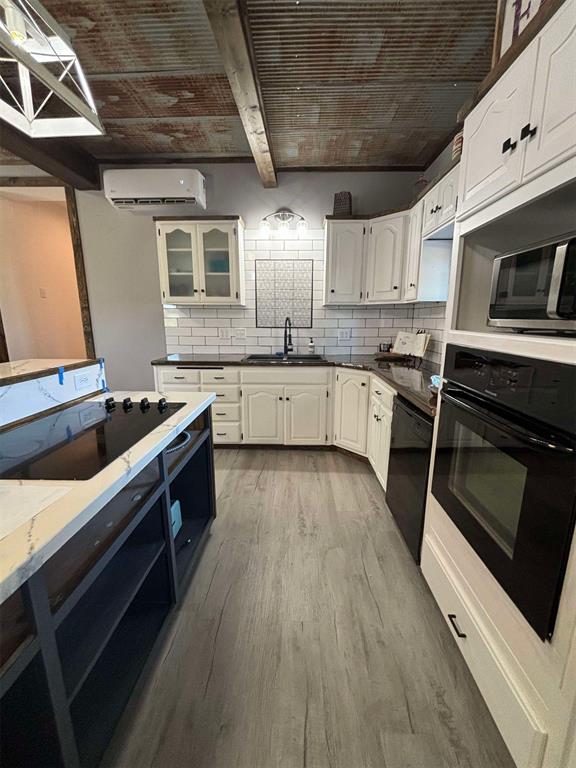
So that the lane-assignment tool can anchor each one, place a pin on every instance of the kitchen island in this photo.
(89, 571)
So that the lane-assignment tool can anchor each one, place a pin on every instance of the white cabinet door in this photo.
(373, 432)
(351, 410)
(493, 154)
(413, 249)
(383, 449)
(550, 135)
(305, 415)
(344, 258)
(447, 196)
(385, 257)
(178, 262)
(262, 413)
(218, 258)
(429, 212)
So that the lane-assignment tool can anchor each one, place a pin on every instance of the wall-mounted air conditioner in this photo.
(144, 190)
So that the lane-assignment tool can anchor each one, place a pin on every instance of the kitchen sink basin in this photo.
(275, 359)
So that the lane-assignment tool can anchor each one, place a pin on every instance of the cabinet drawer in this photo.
(225, 412)
(517, 723)
(221, 375)
(226, 433)
(382, 393)
(224, 394)
(180, 376)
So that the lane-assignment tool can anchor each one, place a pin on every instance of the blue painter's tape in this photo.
(61, 375)
(69, 432)
(101, 362)
(105, 387)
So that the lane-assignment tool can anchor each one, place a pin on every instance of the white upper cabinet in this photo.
(385, 259)
(492, 155)
(413, 249)
(550, 135)
(526, 124)
(305, 415)
(447, 196)
(344, 257)
(200, 263)
(351, 410)
(429, 211)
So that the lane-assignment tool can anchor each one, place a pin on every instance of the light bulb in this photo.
(284, 226)
(302, 225)
(265, 227)
(15, 24)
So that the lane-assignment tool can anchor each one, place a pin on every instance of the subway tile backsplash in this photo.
(210, 330)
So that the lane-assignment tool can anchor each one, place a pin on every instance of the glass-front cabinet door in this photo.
(217, 248)
(199, 262)
(178, 263)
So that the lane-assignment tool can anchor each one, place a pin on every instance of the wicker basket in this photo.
(342, 204)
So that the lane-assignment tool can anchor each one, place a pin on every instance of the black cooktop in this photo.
(77, 442)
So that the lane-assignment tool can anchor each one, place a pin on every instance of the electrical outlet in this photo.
(81, 381)
(344, 334)
(240, 333)
(43, 293)
(224, 333)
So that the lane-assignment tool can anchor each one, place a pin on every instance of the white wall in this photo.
(123, 290)
(121, 261)
(38, 289)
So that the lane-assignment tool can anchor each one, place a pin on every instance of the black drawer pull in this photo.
(220, 414)
(509, 145)
(222, 434)
(528, 132)
(219, 378)
(179, 377)
(377, 391)
(221, 394)
(459, 633)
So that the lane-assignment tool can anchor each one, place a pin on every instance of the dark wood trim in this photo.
(532, 29)
(80, 271)
(499, 27)
(72, 165)
(226, 22)
(30, 181)
(197, 218)
(161, 160)
(4, 356)
(350, 168)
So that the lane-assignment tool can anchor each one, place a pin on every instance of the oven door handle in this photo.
(524, 435)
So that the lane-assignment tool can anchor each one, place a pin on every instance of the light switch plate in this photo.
(224, 333)
(344, 334)
(240, 333)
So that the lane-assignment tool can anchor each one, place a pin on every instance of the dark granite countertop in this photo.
(409, 382)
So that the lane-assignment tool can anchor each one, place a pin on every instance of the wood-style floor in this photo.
(308, 637)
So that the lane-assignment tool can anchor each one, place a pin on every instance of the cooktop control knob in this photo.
(162, 404)
(144, 404)
(109, 404)
(127, 403)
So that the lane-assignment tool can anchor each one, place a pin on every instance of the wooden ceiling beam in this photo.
(231, 38)
(71, 165)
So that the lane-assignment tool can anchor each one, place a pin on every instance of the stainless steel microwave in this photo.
(535, 289)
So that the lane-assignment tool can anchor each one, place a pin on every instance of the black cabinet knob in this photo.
(332, 290)
(395, 287)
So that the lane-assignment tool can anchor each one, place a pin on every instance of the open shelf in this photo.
(84, 633)
(99, 704)
(28, 735)
(186, 543)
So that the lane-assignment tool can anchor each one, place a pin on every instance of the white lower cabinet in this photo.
(351, 410)
(380, 430)
(262, 413)
(305, 415)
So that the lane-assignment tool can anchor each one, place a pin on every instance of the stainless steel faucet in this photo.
(287, 337)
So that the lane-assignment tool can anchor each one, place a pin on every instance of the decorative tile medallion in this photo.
(284, 289)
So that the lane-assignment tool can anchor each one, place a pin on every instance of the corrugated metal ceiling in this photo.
(367, 82)
(344, 82)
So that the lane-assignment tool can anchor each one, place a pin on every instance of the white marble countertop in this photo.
(39, 516)
(28, 367)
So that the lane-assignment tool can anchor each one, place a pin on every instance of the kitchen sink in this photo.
(275, 359)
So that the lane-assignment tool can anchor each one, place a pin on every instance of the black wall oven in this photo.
(505, 470)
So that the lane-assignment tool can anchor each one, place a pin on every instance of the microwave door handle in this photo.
(556, 281)
(510, 429)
